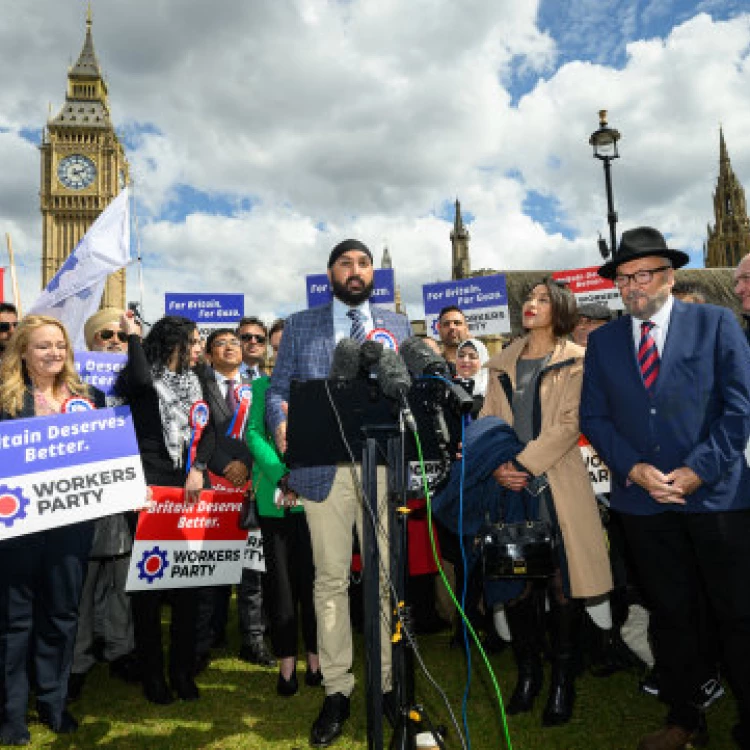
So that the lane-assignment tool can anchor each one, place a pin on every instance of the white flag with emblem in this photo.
(75, 292)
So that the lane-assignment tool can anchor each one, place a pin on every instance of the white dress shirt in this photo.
(342, 324)
(223, 382)
(660, 319)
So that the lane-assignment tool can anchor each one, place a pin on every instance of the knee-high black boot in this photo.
(525, 628)
(566, 619)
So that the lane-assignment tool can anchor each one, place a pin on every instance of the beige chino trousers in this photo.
(331, 523)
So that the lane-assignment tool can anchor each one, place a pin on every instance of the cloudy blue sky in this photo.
(261, 133)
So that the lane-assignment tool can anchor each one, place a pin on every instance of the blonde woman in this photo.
(41, 574)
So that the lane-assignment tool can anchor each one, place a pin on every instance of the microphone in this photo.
(394, 381)
(369, 356)
(422, 361)
(345, 362)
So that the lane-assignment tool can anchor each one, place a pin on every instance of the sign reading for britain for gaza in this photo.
(588, 286)
(100, 369)
(182, 545)
(213, 309)
(483, 299)
(383, 294)
(67, 468)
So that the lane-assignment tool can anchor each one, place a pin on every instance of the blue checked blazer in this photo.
(305, 353)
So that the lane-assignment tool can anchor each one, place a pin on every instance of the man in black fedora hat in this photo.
(666, 404)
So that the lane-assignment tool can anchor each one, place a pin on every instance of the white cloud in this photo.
(367, 116)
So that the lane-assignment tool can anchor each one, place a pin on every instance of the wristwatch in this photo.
(200, 465)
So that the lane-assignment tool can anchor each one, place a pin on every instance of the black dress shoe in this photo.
(65, 723)
(126, 668)
(185, 687)
(202, 662)
(313, 679)
(287, 688)
(330, 722)
(15, 735)
(156, 690)
(257, 653)
(75, 686)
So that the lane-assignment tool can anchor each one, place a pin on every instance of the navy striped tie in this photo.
(357, 332)
(648, 357)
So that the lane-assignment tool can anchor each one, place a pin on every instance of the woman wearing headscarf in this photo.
(41, 574)
(159, 385)
(471, 358)
(535, 386)
(471, 374)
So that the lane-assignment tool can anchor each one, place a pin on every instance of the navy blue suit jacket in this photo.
(305, 353)
(698, 415)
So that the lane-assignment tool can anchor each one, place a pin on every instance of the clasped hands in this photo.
(509, 476)
(668, 488)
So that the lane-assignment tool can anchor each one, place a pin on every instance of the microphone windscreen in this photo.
(393, 377)
(345, 362)
(420, 358)
(369, 354)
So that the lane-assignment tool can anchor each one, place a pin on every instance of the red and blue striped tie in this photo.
(648, 357)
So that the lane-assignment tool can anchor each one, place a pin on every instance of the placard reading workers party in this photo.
(181, 545)
(597, 469)
(67, 468)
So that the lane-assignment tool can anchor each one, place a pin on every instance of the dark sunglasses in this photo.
(253, 337)
(107, 335)
(5, 327)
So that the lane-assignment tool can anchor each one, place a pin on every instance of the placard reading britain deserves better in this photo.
(182, 545)
(67, 468)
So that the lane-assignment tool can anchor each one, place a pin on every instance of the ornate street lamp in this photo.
(604, 140)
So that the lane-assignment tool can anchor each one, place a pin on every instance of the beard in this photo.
(649, 304)
(350, 296)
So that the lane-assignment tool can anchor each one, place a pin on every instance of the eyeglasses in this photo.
(105, 335)
(259, 338)
(640, 277)
(7, 326)
(225, 343)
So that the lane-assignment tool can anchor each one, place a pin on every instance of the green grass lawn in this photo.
(239, 708)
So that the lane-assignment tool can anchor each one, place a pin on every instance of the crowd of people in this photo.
(652, 572)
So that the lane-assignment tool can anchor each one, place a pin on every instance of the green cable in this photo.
(447, 585)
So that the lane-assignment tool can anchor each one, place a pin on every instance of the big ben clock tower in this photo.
(83, 168)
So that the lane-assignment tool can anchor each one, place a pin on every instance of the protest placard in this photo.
(597, 469)
(183, 545)
(587, 286)
(483, 300)
(207, 311)
(100, 369)
(68, 468)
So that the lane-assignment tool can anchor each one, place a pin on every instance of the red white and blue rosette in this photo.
(76, 403)
(243, 394)
(198, 420)
(384, 337)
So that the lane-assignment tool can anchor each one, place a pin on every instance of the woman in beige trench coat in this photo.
(535, 385)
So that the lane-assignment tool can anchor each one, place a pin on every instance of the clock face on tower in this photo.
(76, 171)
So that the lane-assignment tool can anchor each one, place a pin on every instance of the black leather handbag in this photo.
(249, 519)
(518, 550)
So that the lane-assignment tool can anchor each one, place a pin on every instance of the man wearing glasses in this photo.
(8, 323)
(253, 336)
(666, 404)
(103, 332)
